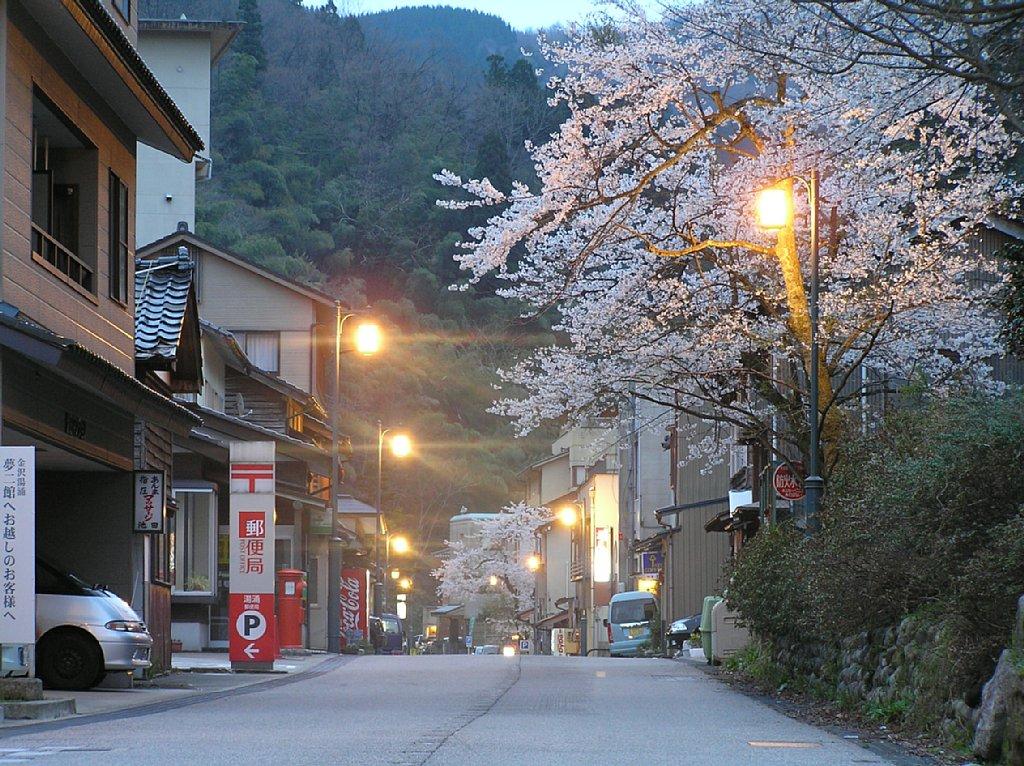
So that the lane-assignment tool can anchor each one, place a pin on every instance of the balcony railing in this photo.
(61, 261)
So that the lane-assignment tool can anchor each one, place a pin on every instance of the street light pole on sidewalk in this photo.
(334, 543)
(367, 343)
(401, 446)
(775, 211)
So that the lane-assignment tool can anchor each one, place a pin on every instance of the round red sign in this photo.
(787, 485)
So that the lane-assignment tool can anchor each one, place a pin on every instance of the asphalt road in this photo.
(483, 711)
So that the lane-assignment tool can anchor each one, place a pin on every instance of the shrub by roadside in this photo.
(907, 596)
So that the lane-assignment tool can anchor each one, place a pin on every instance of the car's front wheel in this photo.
(69, 660)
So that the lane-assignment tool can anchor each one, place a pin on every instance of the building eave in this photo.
(221, 33)
(101, 52)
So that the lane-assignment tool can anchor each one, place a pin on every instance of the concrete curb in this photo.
(17, 728)
(37, 710)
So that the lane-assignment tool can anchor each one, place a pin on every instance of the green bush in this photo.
(925, 517)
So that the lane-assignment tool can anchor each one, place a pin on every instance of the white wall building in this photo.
(181, 54)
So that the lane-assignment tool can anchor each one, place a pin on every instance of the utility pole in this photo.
(378, 584)
(334, 542)
(814, 484)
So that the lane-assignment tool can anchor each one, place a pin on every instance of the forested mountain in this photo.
(327, 131)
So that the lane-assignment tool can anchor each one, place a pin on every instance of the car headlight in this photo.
(127, 626)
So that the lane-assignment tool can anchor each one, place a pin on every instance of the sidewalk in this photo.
(218, 662)
(193, 674)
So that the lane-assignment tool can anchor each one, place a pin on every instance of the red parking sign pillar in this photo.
(252, 629)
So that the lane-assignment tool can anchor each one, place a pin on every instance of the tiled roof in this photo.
(161, 298)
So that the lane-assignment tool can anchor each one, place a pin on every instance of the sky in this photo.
(521, 14)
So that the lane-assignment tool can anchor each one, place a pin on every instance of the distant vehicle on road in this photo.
(394, 634)
(681, 630)
(84, 631)
(487, 649)
(630, 616)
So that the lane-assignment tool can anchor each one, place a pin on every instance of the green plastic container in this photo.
(706, 626)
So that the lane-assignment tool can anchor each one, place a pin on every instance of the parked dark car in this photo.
(681, 630)
(394, 634)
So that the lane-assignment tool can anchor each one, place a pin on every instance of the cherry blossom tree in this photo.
(979, 43)
(642, 233)
(498, 551)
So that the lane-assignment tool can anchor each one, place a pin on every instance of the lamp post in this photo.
(571, 515)
(401, 446)
(775, 211)
(367, 343)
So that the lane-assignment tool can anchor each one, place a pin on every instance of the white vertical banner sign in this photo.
(150, 502)
(251, 629)
(18, 545)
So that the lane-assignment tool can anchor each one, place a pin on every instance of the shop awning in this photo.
(674, 509)
(744, 517)
(557, 620)
(89, 371)
(219, 427)
(653, 543)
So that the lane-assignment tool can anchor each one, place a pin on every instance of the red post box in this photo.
(291, 607)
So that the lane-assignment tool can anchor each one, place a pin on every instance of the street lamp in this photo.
(365, 344)
(368, 339)
(405, 583)
(533, 562)
(395, 574)
(571, 515)
(774, 207)
(400, 544)
(493, 581)
(401, 446)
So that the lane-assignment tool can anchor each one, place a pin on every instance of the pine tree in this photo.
(250, 39)
(492, 161)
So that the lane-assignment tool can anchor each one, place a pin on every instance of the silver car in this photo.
(84, 631)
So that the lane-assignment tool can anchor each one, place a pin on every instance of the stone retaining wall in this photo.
(904, 663)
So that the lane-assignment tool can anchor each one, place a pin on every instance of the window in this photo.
(159, 552)
(193, 542)
(262, 348)
(118, 244)
(124, 7)
(64, 197)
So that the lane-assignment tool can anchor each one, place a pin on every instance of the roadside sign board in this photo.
(18, 557)
(252, 633)
(788, 485)
(525, 646)
(652, 562)
(150, 502)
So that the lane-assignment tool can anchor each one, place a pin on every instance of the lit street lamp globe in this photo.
(567, 515)
(368, 339)
(401, 445)
(774, 208)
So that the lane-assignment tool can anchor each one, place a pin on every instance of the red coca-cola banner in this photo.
(354, 605)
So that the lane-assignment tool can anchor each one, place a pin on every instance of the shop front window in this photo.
(194, 542)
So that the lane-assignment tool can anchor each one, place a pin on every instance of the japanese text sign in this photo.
(18, 543)
(251, 553)
(149, 501)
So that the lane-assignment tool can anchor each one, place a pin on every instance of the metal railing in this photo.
(63, 260)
